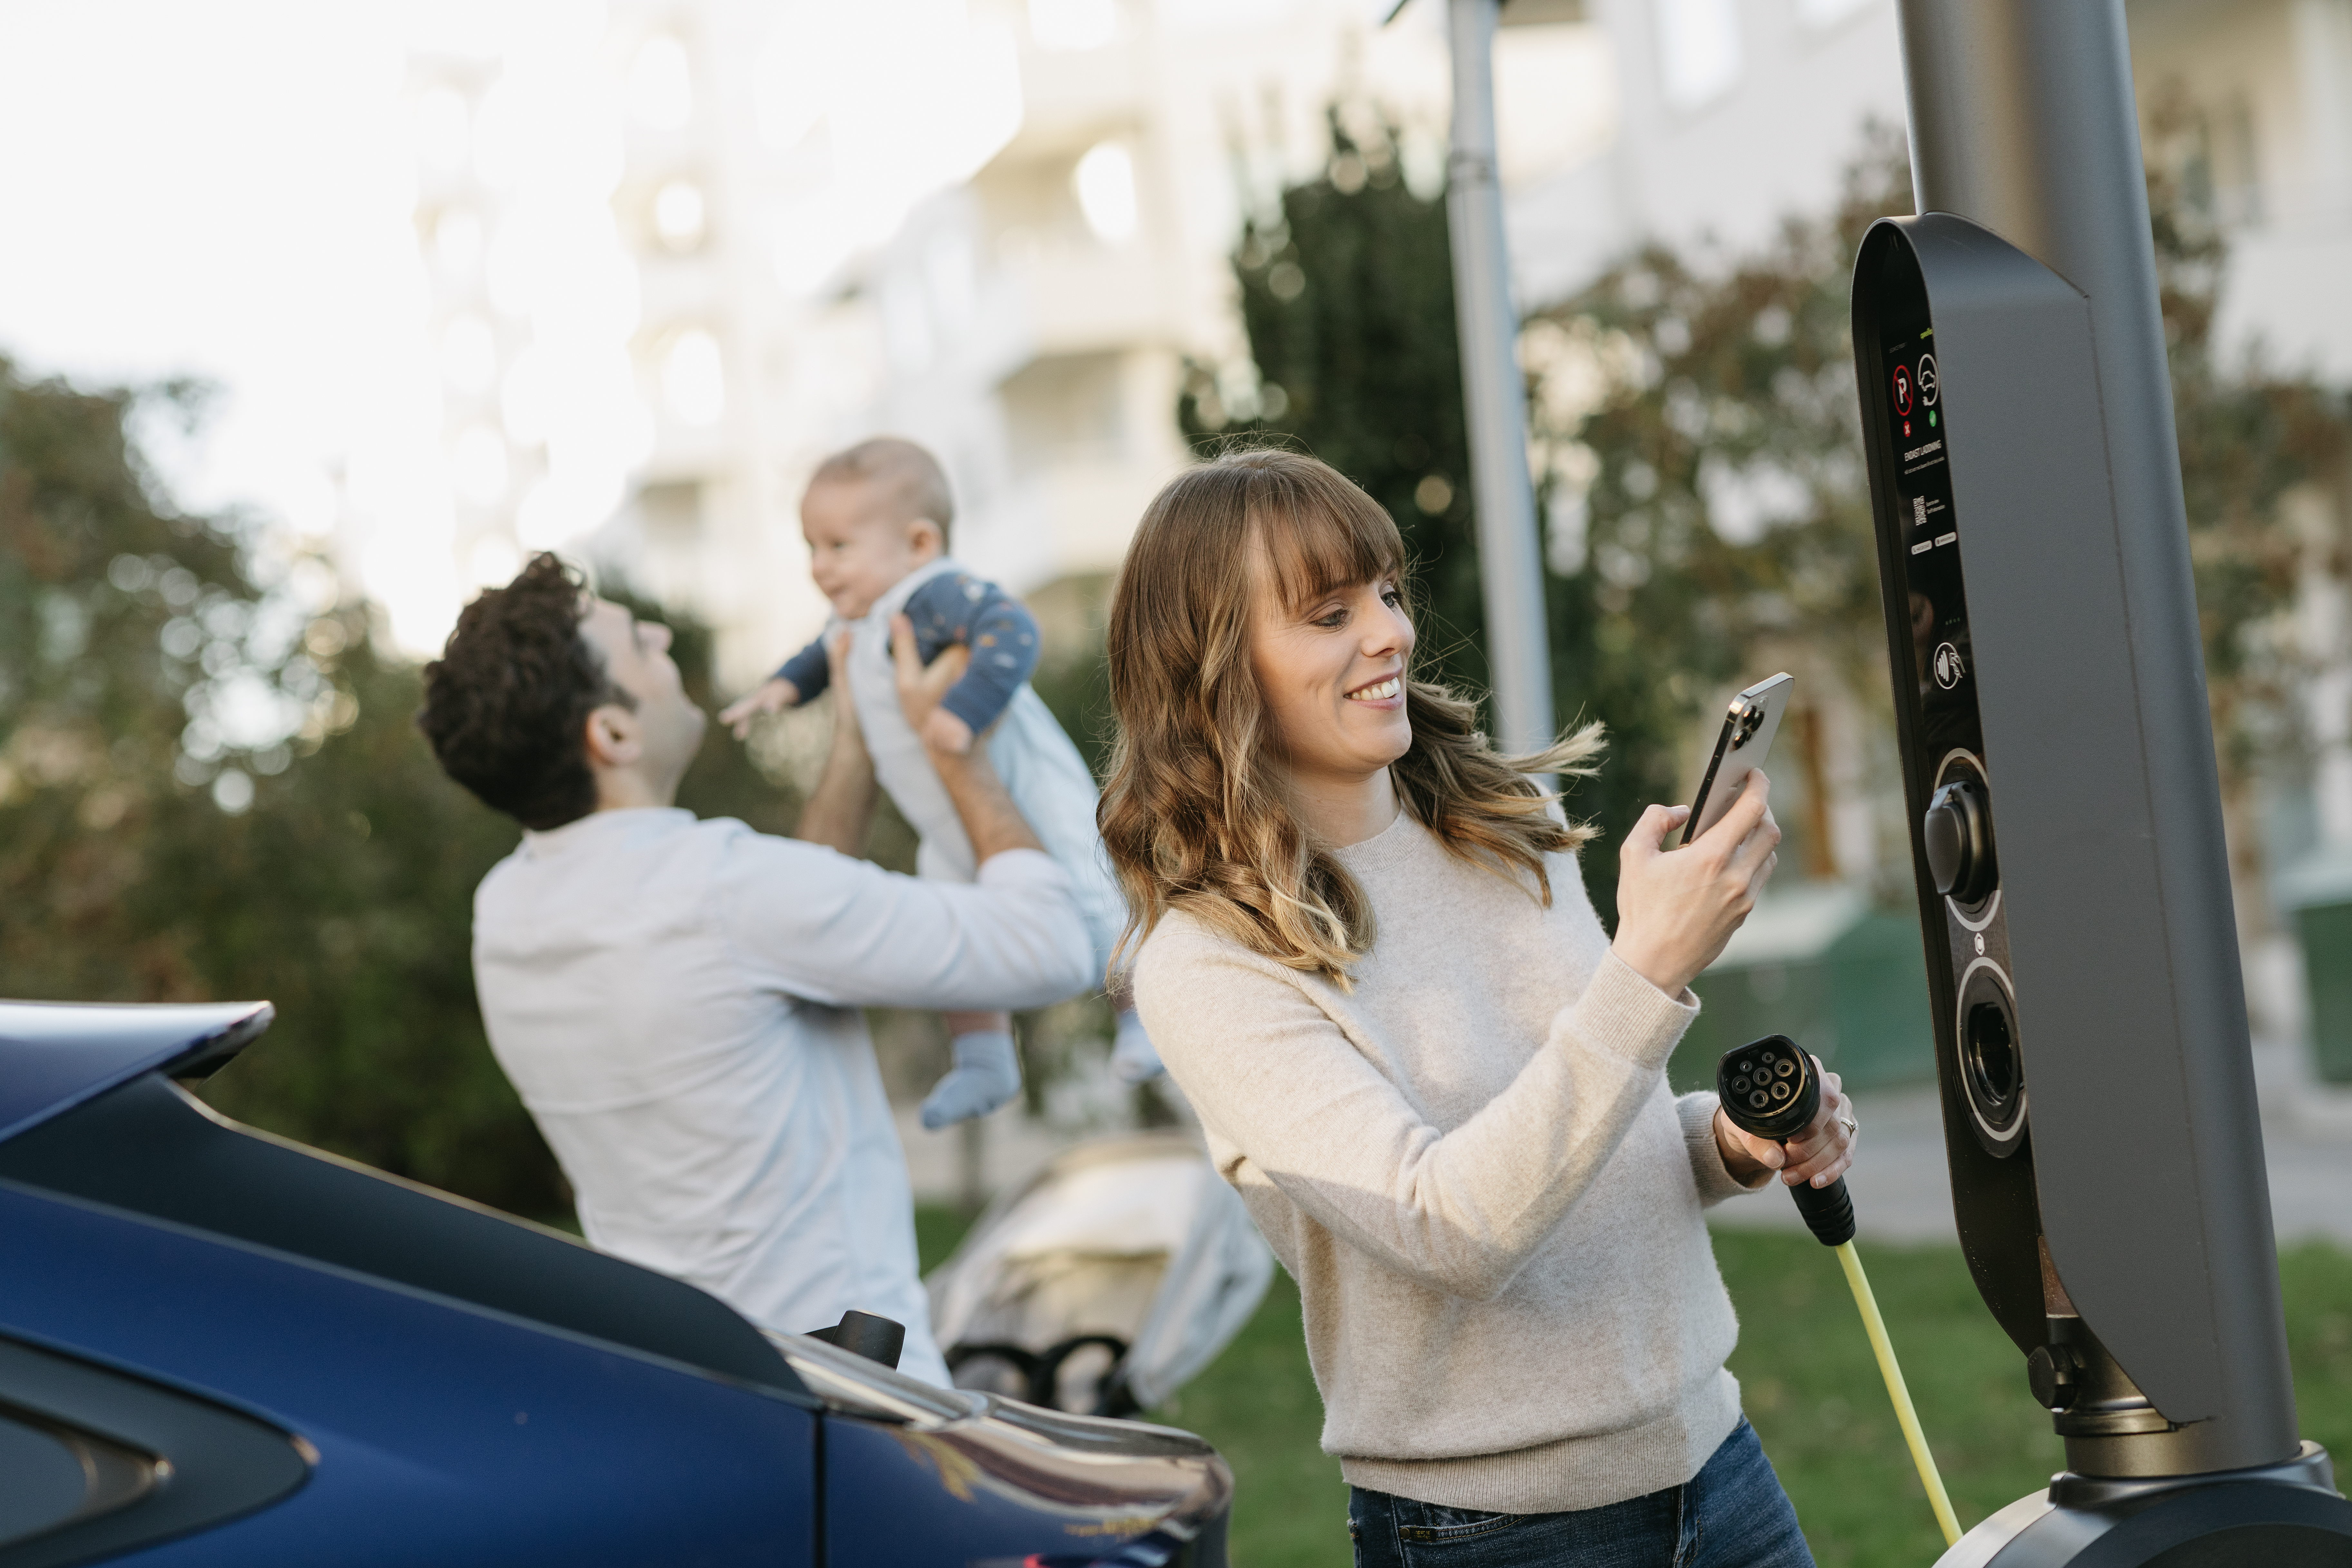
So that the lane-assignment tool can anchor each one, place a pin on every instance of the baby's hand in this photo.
(775, 696)
(943, 731)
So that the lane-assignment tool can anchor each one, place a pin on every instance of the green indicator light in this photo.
(1931, 418)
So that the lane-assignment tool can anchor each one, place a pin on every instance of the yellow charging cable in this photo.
(1905, 1415)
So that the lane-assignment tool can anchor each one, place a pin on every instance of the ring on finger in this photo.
(1848, 1124)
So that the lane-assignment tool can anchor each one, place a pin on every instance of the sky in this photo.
(227, 190)
(220, 191)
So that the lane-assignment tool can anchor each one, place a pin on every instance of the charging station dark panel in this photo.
(2066, 1052)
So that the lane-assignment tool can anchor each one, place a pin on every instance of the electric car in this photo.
(217, 1347)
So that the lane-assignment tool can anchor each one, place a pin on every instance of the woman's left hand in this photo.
(1819, 1154)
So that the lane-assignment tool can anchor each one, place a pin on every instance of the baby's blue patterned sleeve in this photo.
(957, 607)
(808, 671)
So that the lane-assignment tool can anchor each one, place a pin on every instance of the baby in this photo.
(876, 517)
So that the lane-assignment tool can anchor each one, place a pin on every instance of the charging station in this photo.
(2106, 1161)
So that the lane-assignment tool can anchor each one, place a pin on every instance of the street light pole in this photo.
(1510, 565)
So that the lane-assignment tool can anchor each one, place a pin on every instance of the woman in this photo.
(1368, 958)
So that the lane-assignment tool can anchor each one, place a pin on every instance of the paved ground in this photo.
(1902, 1192)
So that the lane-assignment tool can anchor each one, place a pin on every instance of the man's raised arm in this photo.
(991, 820)
(845, 932)
(840, 810)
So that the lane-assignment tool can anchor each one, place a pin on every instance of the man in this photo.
(676, 1000)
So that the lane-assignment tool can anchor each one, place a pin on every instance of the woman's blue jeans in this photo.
(1732, 1514)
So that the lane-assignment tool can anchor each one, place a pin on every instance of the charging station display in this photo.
(1934, 602)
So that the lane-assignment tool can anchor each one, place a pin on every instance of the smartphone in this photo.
(1740, 748)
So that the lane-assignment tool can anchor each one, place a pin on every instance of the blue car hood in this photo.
(56, 1055)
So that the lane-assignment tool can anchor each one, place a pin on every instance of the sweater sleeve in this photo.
(1461, 1212)
(822, 926)
(1716, 1183)
(808, 671)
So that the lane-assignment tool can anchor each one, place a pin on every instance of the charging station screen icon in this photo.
(1922, 476)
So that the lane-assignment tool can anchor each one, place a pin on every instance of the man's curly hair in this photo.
(507, 702)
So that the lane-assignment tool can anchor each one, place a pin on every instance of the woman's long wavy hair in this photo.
(1196, 815)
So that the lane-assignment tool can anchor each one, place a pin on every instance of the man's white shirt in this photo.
(675, 1001)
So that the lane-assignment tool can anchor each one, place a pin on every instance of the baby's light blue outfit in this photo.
(1041, 769)
(1048, 782)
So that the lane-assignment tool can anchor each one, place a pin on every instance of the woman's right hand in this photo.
(1675, 909)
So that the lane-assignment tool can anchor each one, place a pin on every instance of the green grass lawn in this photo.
(1810, 1387)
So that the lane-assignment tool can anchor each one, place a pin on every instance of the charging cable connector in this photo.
(1769, 1088)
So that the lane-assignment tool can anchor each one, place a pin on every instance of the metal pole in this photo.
(2023, 120)
(1510, 564)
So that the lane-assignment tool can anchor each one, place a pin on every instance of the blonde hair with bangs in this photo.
(1195, 816)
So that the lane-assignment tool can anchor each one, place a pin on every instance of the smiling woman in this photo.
(1258, 646)
(1363, 944)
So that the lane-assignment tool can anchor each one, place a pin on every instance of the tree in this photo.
(211, 787)
(2251, 440)
(212, 791)
(1716, 522)
(1347, 297)
(106, 604)
(1347, 294)
(1698, 444)
(1713, 418)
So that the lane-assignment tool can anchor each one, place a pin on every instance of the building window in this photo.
(1827, 13)
(679, 219)
(1067, 409)
(1105, 183)
(694, 378)
(661, 84)
(1073, 24)
(1698, 50)
(2237, 167)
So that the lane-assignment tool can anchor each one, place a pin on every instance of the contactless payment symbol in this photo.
(1903, 390)
(1949, 668)
(1927, 381)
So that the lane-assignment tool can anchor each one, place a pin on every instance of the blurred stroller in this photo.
(1104, 1282)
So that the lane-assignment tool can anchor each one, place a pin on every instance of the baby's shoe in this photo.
(986, 1074)
(1131, 1054)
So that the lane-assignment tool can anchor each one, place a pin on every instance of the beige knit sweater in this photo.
(1473, 1167)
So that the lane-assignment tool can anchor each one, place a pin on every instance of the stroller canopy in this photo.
(1131, 1245)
